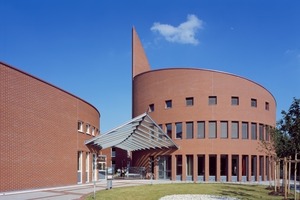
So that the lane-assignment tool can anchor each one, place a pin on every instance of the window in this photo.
(79, 167)
(267, 133)
(88, 128)
(261, 131)
(201, 130)
(235, 101)
(245, 130)
(212, 100)
(189, 130)
(151, 108)
(267, 106)
(168, 104)
(253, 103)
(178, 130)
(87, 167)
(253, 131)
(212, 129)
(224, 129)
(189, 165)
(93, 130)
(80, 126)
(234, 130)
(113, 152)
(169, 130)
(189, 101)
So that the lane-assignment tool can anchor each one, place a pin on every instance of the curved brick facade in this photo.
(39, 138)
(217, 120)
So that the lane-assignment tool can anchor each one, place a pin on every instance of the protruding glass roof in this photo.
(140, 133)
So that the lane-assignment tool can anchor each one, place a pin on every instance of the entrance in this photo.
(164, 167)
(101, 165)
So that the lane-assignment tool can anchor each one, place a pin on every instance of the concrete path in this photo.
(79, 191)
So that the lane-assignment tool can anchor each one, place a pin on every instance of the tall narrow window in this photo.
(178, 130)
(245, 130)
(113, 152)
(79, 167)
(189, 130)
(88, 129)
(87, 167)
(169, 130)
(234, 130)
(224, 129)
(93, 130)
(189, 101)
(189, 165)
(267, 133)
(168, 104)
(253, 103)
(151, 108)
(201, 129)
(235, 101)
(80, 126)
(212, 100)
(253, 131)
(261, 132)
(212, 129)
(267, 106)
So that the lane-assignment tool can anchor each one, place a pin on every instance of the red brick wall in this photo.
(157, 86)
(39, 139)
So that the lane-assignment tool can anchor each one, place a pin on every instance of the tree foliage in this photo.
(287, 134)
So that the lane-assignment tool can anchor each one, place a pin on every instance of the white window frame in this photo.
(88, 127)
(87, 166)
(81, 126)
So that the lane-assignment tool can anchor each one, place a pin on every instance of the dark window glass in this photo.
(212, 129)
(267, 106)
(189, 130)
(178, 130)
(201, 130)
(212, 100)
(169, 130)
(151, 107)
(245, 130)
(267, 133)
(253, 103)
(253, 131)
(234, 130)
(189, 101)
(224, 129)
(261, 131)
(234, 101)
(169, 104)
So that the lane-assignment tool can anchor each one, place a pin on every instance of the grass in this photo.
(147, 192)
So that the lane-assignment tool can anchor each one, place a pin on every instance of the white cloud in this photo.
(184, 33)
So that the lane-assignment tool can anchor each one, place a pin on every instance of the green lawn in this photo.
(156, 191)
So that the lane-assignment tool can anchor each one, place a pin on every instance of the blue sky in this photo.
(84, 46)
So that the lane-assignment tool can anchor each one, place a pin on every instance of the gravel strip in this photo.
(196, 197)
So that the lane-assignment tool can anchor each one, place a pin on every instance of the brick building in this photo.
(217, 119)
(42, 134)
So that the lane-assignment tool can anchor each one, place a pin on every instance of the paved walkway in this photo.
(78, 191)
(71, 192)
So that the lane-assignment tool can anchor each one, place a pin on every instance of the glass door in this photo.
(164, 167)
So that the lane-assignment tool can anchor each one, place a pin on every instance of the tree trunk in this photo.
(285, 177)
(289, 174)
(275, 176)
(295, 177)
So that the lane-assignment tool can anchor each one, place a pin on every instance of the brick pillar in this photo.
(206, 177)
(218, 167)
(183, 167)
(195, 168)
(257, 168)
(249, 168)
(240, 167)
(155, 168)
(173, 167)
(229, 162)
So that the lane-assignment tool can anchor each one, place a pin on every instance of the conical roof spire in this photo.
(140, 62)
